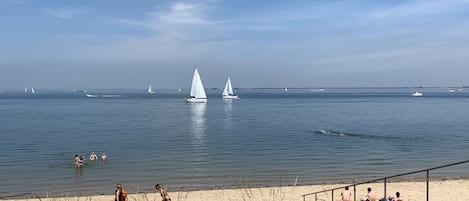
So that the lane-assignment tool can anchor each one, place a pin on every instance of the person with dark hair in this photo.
(120, 195)
(77, 161)
(164, 195)
(370, 196)
(346, 195)
(398, 195)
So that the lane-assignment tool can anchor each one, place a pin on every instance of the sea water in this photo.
(269, 137)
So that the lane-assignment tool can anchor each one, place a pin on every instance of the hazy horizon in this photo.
(262, 44)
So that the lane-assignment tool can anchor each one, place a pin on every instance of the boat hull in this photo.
(196, 100)
(230, 97)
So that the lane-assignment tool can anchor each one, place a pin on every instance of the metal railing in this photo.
(385, 181)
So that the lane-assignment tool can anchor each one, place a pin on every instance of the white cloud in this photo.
(63, 13)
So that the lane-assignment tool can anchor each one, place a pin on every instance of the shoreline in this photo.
(410, 190)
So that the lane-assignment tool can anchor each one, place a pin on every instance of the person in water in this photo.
(81, 160)
(93, 156)
(103, 156)
(77, 161)
(164, 195)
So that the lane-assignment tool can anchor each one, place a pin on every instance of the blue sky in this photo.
(128, 44)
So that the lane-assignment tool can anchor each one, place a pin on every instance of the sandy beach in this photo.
(454, 190)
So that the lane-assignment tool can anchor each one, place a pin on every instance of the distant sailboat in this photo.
(25, 90)
(197, 94)
(32, 91)
(228, 91)
(417, 94)
(150, 90)
(80, 90)
(92, 96)
(286, 89)
(179, 90)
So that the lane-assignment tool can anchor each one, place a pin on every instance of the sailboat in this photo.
(25, 90)
(149, 90)
(417, 94)
(197, 94)
(228, 91)
(32, 91)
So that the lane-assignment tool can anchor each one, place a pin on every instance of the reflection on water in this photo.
(199, 150)
(198, 121)
(228, 108)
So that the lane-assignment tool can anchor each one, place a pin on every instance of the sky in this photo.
(267, 43)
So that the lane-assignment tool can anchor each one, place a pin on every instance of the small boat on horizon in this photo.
(92, 96)
(228, 91)
(80, 90)
(150, 91)
(417, 94)
(25, 90)
(197, 94)
(32, 91)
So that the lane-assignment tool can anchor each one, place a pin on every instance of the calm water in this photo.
(268, 137)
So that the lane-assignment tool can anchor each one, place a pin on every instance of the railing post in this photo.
(354, 193)
(428, 186)
(304, 199)
(332, 195)
(316, 197)
(384, 188)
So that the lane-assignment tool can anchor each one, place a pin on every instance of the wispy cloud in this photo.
(63, 13)
(178, 14)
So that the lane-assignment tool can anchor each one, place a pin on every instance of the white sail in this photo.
(150, 91)
(32, 91)
(197, 94)
(228, 91)
(197, 88)
(25, 90)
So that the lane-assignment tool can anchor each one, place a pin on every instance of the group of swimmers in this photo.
(80, 161)
(121, 195)
(370, 196)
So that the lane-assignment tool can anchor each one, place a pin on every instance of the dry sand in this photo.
(450, 190)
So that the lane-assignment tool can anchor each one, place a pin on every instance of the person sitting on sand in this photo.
(163, 193)
(370, 196)
(103, 156)
(120, 195)
(346, 195)
(93, 156)
(398, 195)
